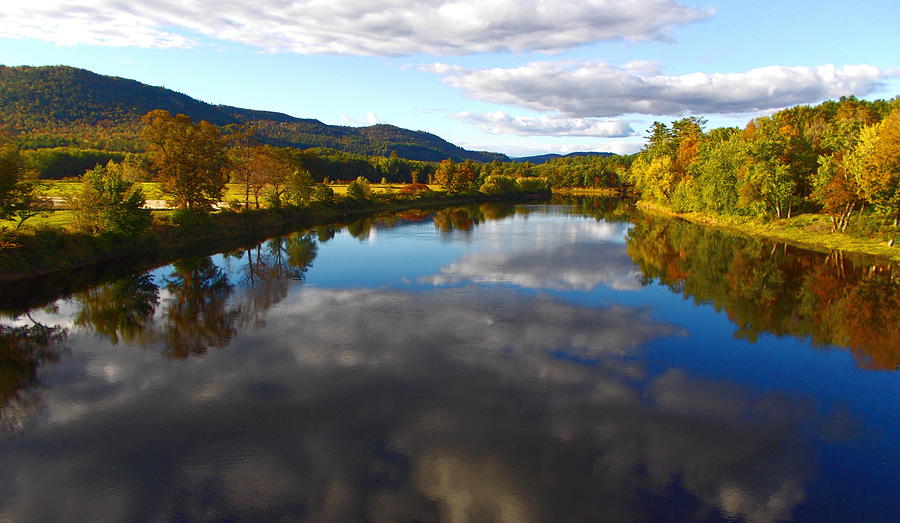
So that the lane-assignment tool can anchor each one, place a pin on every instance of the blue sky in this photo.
(514, 76)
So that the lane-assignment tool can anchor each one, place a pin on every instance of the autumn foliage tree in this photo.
(19, 187)
(190, 159)
(108, 202)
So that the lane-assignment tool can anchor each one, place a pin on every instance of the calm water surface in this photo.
(535, 363)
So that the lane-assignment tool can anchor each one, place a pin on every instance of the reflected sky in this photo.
(480, 374)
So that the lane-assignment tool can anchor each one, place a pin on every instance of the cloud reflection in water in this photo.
(461, 404)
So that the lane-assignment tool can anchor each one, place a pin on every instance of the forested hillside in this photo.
(62, 106)
(544, 158)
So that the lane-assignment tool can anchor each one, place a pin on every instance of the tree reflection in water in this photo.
(196, 314)
(122, 310)
(457, 402)
(767, 287)
(467, 218)
(23, 350)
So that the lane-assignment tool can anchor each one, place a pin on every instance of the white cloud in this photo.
(389, 27)
(500, 122)
(597, 89)
(552, 255)
(290, 413)
(371, 118)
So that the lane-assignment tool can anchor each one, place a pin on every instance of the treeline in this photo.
(63, 162)
(840, 157)
(193, 162)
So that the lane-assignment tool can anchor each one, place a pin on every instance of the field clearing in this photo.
(233, 191)
(62, 190)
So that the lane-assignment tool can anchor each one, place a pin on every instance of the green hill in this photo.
(59, 106)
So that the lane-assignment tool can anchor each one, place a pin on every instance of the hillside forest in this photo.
(839, 158)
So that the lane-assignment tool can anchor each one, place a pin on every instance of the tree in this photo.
(654, 178)
(717, 169)
(499, 185)
(660, 140)
(359, 189)
(248, 170)
(836, 191)
(109, 202)
(322, 193)
(190, 159)
(771, 180)
(445, 173)
(300, 187)
(19, 198)
(875, 165)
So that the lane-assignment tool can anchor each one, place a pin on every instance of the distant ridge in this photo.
(61, 105)
(543, 158)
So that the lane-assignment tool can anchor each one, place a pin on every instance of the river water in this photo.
(566, 362)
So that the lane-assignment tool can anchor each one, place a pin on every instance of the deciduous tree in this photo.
(190, 159)
(109, 202)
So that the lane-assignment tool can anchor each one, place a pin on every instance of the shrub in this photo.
(359, 189)
(414, 189)
(191, 220)
(533, 185)
(108, 202)
(498, 185)
(322, 193)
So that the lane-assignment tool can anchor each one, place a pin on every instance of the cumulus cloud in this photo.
(566, 268)
(596, 89)
(502, 123)
(553, 255)
(386, 404)
(389, 27)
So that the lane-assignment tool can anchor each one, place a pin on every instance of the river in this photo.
(543, 362)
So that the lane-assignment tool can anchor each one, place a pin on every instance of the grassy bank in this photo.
(812, 231)
(52, 249)
(608, 192)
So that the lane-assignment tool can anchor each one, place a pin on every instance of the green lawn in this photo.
(59, 218)
(233, 191)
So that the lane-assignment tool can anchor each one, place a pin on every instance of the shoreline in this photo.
(784, 230)
(46, 253)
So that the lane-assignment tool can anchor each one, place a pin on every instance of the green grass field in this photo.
(233, 191)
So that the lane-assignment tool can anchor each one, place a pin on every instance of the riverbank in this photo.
(811, 231)
(606, 192)
(49, 250)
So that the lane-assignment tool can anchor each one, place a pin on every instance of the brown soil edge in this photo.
(825, 243)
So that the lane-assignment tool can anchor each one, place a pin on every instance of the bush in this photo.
(359, 189)
(415, 189)
(533, 185)
(498, 185)
(300, 187)
(191, 220)
(109, 203)
(322, 193)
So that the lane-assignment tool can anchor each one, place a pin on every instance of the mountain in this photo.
(544, 158)
(59, 106)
